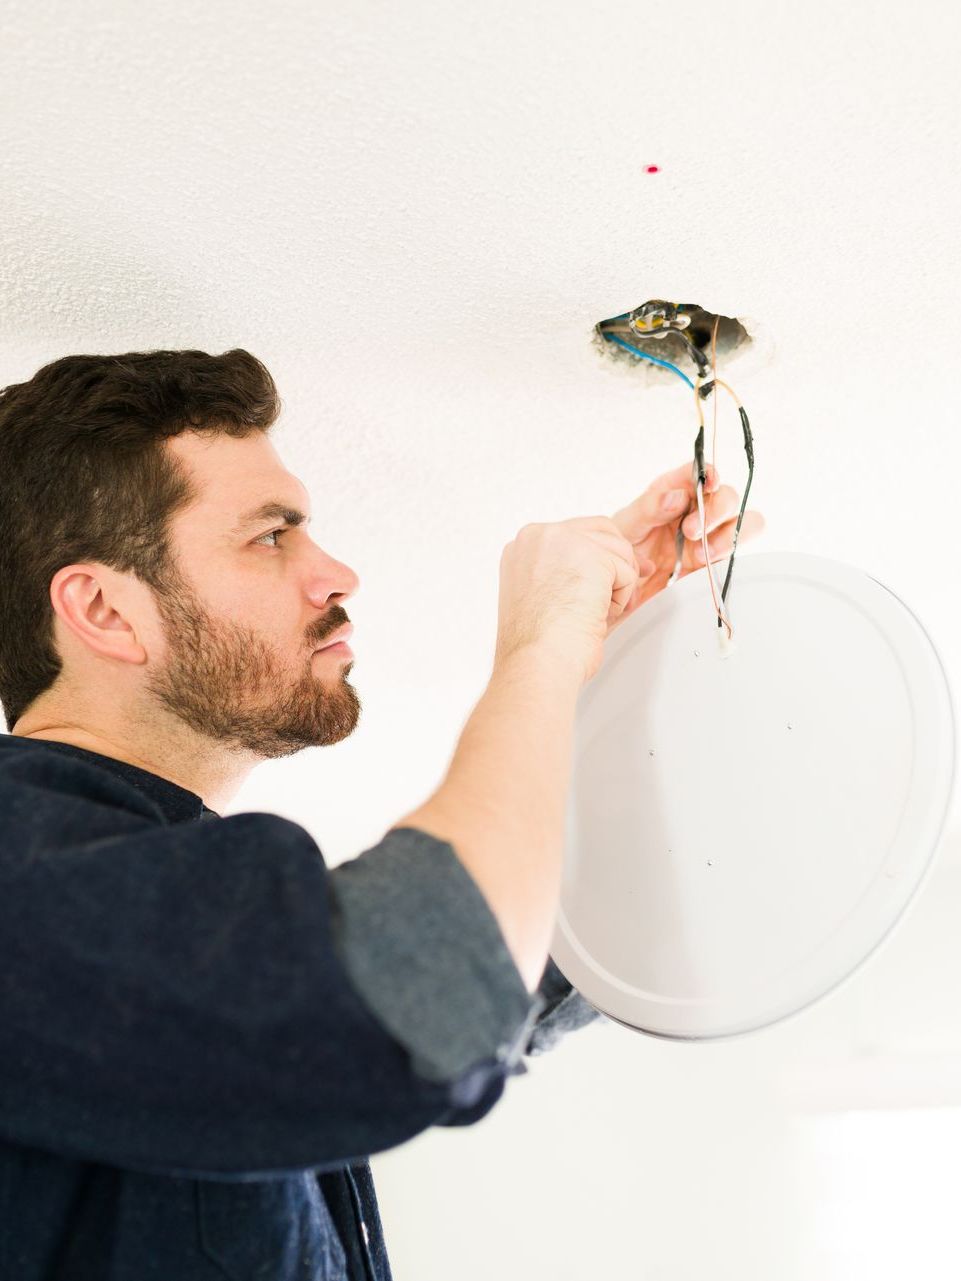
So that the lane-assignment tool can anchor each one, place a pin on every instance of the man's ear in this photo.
(92, 601)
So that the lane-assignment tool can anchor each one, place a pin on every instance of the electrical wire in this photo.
(701, 391)
(749, 451)
(694, 350)
(674, 327)
(717, 321)
(700, 478)
(654, 359)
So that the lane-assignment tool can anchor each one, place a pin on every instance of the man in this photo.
(204, 1032)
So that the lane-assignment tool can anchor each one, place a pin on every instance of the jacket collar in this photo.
(178, 804)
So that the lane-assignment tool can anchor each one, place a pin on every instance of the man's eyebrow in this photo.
(270, 511)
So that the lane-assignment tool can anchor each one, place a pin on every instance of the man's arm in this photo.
(173, 996)
(444, 926)
(425, 952)
(501, 806)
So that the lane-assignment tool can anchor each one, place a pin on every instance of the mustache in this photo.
(333, 623)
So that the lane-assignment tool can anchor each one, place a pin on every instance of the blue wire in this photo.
(654, 359)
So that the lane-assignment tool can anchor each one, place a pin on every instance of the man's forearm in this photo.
(503, 801)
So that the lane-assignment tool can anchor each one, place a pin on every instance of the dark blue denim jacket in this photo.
(205, 1032)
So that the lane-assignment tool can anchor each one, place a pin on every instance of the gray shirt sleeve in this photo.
(564, 1010)
(422, 947)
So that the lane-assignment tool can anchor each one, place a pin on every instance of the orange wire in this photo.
(730, 391)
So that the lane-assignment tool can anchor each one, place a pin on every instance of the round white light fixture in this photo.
(744, 829)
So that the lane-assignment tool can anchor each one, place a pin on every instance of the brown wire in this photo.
(718, 605)
(702, 513)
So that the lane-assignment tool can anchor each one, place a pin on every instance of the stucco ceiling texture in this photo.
(415, 214)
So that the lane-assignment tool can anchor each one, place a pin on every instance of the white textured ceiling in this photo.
(415, 213)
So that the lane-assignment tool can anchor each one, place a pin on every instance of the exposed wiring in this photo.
(654, 359)
(749, 450)
(664, 318)
(695, 352)
(717, 321)
(658, 331)
(700, 478)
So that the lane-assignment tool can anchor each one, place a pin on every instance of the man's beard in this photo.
(225, 682)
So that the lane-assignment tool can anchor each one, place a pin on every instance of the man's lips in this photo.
(345, 633)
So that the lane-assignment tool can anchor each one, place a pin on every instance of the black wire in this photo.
(702, 362)
(699, 457)
(749, 450)
(705, 390)
(698, 356)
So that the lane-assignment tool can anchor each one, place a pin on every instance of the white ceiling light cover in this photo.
(743, 831)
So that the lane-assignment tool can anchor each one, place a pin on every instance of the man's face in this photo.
(247, 608)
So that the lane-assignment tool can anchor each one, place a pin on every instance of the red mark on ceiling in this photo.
(652, 168)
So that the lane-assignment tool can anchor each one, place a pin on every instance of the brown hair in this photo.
(84, 476)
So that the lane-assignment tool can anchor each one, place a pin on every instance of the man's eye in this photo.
(271, 533)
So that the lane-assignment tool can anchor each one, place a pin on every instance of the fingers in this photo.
(637, 519)
(718, 508)
(682, 478)
(719, 543)
(622, 549)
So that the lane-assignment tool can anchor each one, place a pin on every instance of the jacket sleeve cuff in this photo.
(422, 947)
